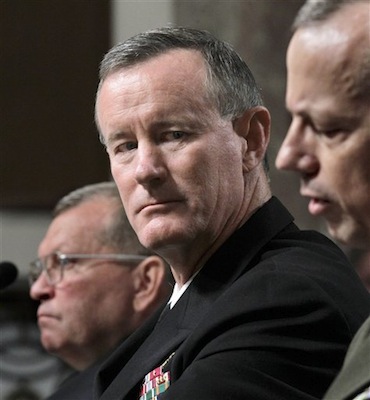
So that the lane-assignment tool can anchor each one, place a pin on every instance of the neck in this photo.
(187, 259)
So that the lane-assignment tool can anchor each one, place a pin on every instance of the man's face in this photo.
(328, 141)
(171, 152)
(90, 310)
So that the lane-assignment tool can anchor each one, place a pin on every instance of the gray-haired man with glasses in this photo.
(94, 280)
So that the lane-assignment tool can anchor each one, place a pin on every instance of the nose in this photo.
(297, 152)
(150, 167)
(41, 289)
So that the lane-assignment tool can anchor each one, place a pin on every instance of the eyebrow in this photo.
(112, 138)
(182, 122)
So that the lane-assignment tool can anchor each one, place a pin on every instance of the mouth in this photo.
(318, 206)
(158, 206)
(43, 316)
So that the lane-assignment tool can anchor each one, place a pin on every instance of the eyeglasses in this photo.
(56, 263)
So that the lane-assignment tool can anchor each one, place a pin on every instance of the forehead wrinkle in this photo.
(136, 79)
(182, 112)
(312, 55)
(345, 47)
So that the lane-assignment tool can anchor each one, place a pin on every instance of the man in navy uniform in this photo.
(260, 309)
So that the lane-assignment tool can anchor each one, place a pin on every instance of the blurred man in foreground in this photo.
(328, 96)
(328, 142)
(256, 300)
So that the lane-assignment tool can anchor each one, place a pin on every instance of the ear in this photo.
(150, 285)
(254, 129)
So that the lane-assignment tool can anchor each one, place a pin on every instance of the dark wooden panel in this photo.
(50, 52)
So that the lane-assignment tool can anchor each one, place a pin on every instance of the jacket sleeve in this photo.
(355, 373)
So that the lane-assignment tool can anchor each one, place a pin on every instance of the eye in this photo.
(329, 133)
(130, 146)
(178, 134)
(125, 147)
(173, 136)
(332, 133)
(65, 260)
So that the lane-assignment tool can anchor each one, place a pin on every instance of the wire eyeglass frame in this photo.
(55, 263)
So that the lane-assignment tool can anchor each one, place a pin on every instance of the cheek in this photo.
(350, 167)
(116, 170)
(124, 183)
(358, 176)
(113, 303)
(110, 284)
(77, 297)
(70, 324)
(215, 185)
(77, 305)
(339, 169)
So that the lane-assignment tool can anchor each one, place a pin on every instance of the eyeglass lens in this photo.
(52, 266)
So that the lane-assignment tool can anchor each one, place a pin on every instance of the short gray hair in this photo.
(118, 234)
(230, 83)
(319, 10)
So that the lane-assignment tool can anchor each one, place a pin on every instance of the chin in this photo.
(159, 237)
(349, 236)
(157, 230)
(157, 243)
(50, 347)
(358, 242)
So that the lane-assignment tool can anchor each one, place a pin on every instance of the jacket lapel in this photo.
(147, 348)
(114, 363)
(161, 340)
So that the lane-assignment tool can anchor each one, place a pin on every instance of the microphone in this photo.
(8, 273)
